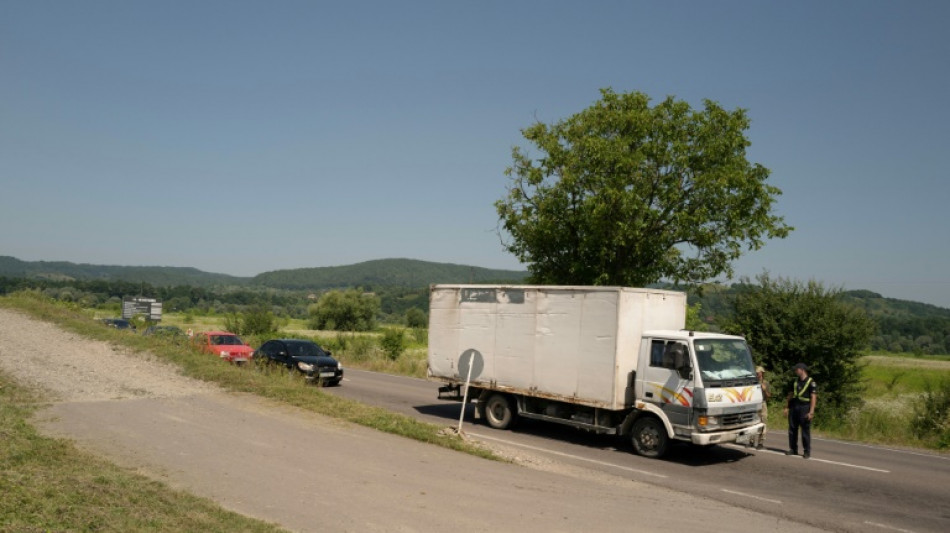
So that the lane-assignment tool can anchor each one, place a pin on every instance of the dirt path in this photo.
(311, 473)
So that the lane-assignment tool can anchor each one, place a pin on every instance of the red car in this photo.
(224, 344)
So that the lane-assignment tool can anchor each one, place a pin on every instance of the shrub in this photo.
(233, 323)
(256, 321)
(393, 342)
(259, 321)
(787, 322)
(416, 318)
(932, 414)
(350, 310)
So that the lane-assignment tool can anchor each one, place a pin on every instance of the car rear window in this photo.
(304, 349)
(225, 340)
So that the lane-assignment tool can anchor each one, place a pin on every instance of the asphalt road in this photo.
(844, 486)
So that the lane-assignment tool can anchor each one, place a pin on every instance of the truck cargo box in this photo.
(575, 344)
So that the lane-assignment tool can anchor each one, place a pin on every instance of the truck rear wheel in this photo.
(649, 437)
(500, 412)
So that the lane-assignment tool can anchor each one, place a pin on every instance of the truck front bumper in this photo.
(740, 436)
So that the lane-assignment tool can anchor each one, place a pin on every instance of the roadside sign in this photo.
(149, 307)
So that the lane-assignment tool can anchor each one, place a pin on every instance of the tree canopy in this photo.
(349, 310)
(623, 193)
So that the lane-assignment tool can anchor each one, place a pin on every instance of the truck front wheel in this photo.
(649, 437)
(500, 412)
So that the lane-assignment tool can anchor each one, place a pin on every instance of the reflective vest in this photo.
(802, 395)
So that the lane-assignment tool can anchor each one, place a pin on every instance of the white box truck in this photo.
(611, 360)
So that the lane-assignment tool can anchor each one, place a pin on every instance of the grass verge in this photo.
(49, 485)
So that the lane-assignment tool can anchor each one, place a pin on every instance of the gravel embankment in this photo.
(74, 368)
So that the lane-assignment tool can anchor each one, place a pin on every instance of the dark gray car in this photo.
(118, 323)
(306, 357)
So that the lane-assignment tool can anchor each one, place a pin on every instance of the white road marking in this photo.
(752, 496)
(827, 461)
(562, 454)
(885, 526)
(894, 450)
(860, 467)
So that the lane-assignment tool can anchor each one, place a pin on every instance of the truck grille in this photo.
(738, 419)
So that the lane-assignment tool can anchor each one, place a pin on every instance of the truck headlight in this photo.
(304, 366)
(707, 422)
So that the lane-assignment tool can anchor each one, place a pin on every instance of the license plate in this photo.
(744, 438)
(327, 374)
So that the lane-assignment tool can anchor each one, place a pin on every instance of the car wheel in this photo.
(649, 437)
(500, 412)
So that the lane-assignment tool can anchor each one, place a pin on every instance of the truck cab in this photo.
(701, 386)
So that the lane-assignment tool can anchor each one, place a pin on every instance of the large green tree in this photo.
(787, 322)
(623, 193)
(349, 310)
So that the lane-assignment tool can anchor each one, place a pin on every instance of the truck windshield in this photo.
(724, 362)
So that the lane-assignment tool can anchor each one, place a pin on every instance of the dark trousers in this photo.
(798, 418)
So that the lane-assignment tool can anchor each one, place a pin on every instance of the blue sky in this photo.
(241, 137)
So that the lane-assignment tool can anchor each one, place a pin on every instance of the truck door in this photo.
(662, 384)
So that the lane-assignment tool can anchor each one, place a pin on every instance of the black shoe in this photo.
(807, 455)
(791, 452)
(759, 446)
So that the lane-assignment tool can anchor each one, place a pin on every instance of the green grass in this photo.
(894, 376)
(47, 484)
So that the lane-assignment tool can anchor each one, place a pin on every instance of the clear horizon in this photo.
(244, 136)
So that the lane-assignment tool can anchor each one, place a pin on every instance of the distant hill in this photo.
(384, 273)
(892, 308)
(378, 273)
(12, 267)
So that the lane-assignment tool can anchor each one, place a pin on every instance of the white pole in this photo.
(468, 379)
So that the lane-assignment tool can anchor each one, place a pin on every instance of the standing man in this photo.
(759, 440)
(801, 410)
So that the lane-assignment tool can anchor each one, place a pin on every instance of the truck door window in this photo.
(661, 355)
